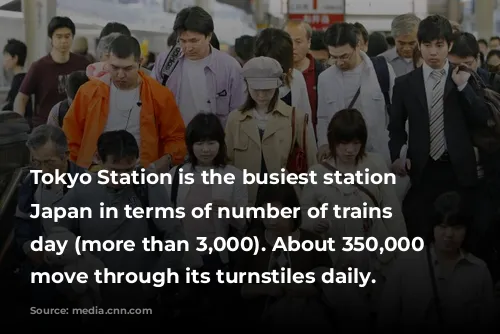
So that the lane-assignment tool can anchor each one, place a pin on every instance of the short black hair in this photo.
(125, 46)
(390, 40)
(58, 22)
(214, 41)
(362, 31)
(277, 44)
(493, 38)
(435, 28)
(450, 209)
(17, 48)
(376, 44)
(194, 19)
(482, 41)
(464, 45)
(206, 127)
(347, 125)
(74, 81)
(340, 34)
(244, 47)
(112, 27)
(318, 41)
(117, 145)
(493, 53)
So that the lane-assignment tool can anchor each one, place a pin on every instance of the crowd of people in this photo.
(420, 104)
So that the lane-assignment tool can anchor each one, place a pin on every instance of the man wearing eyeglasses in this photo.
(465, 50)
(352, 82)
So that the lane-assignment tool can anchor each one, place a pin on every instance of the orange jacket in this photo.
(162, 128)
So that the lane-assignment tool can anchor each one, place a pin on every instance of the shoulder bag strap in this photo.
(359, 186)
(175, 186)
(294, 137)
(354, 98)
(437, 300)
(170, 63)
(304, 131)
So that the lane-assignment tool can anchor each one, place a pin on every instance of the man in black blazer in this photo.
(440, 107)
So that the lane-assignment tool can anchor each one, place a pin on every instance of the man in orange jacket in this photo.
(126, 99)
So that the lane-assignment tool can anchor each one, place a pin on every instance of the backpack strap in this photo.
(175, 186)
(382, 69)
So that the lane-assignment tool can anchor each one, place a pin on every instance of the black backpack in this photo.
(382, 69)
(63, 110)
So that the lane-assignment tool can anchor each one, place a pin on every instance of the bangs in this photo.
(204, 127)
(349, 133)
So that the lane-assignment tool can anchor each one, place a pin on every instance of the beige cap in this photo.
(263, 73)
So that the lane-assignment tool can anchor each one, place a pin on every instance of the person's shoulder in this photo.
(326, 73)
(405, 78)
(227, 61)
(159, 91)
(79, 59)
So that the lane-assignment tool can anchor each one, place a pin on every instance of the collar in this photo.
(212, 59)
(312, 64)
(392, 54)
(463, 256)
(427, 70)
(281, 107)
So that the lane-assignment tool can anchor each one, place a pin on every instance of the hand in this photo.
(321, 226)
(460, 77)
(37, 258)
(163, 164)
(401, 166)
(323, 152)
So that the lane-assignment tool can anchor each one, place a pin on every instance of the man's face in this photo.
(48, 160)
(483, 48)
(195, 46)
(62, 39)
(344, 56)
(471, 62)
(120, 166)
(320, 55)
(494, 44)
(405, 44)
(124, 72)
(301, 43)
(435, 53)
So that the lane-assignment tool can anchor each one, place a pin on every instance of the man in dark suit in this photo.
(465, 50)
(440, 107)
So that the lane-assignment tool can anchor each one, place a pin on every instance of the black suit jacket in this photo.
(462, 110)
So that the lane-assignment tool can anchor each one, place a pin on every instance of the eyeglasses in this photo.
(343, 57)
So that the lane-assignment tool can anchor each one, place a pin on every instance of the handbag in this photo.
(297, 158)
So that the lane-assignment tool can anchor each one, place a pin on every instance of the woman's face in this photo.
(280, 224)
(449, 238)
(206, 151)
(347, 152)
(262, 97)
(9, 62)
(494, 64)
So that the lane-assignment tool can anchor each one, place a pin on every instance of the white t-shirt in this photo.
(124, 113)
(194, 93)
(352, 81)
